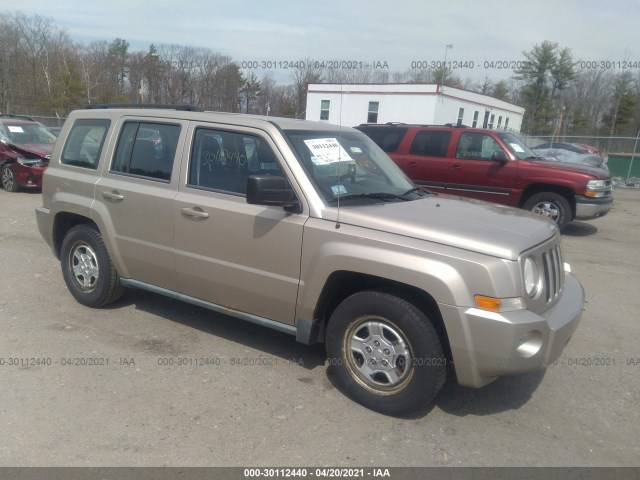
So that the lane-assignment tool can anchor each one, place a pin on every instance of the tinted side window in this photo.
(388, 139)
(146, 149)
(477, 146)
(431, 143)
(84, 143)
(223, 160)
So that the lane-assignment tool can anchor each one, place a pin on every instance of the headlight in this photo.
(30, 163)
(596, 184)
(597, 188)
(531, 277)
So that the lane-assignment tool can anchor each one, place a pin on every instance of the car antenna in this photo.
(339, 151)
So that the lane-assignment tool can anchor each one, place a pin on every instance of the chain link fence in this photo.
(623, 158)
(48, 121)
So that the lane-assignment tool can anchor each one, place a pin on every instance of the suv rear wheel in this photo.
(552, 205)
(385, 352)
(87, 268)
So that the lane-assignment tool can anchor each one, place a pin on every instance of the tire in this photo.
(552, 205)
(9, 182)
(385, 353)
(87, 268)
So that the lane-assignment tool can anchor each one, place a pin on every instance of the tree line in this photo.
(43, 72)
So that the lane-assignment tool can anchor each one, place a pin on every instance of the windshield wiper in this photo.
(376, 195)
(417, 190)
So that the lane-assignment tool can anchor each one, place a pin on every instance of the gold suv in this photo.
(309, 229)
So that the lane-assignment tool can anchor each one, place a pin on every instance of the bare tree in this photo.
(308, 72)
(588, 98)
(33, 33)
(266, 95)
(9, 66)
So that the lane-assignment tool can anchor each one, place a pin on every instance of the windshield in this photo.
(27, 134)
(517, 146)
(349, 165)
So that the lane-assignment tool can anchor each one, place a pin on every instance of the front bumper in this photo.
(27, 176)
(486, 345)
(590, 208)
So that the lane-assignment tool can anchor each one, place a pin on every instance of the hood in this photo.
(483, 227)
(33, 150)
(599, 173)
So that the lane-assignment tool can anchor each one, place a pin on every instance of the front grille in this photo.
(553, 267)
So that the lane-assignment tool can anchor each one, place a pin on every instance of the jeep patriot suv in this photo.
(311, 230)
(495, 166)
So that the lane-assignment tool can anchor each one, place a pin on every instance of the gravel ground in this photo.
(265, 400)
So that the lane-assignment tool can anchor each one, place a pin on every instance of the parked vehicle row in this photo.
(580, 148)
(483, 164)
(572, 153)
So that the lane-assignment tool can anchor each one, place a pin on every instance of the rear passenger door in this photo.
(426, 161)
(135, 193)
(229, 253)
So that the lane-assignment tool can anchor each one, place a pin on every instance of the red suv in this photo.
(496, 166)
(25, 149)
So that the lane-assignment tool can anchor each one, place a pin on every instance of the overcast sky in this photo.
(397, 32)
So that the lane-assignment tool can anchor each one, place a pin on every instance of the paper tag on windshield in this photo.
(14, 129)
(326, 150)
(517, 148)
(338, 190)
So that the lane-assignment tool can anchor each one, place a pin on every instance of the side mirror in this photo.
(499, 156)
(272, 191)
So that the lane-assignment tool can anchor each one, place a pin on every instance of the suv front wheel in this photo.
(87, 268)
(552, 205)
(385, 353)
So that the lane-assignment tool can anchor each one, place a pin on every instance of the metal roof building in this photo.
(353, 104)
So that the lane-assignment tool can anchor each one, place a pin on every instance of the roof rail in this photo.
(396, 124)
(186, 108)
(23, 117)
(392, 124)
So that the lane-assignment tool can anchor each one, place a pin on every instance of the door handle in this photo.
(412, 164)
(113, 196)
(194, 212)
(456, 167)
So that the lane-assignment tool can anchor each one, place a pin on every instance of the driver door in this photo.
(474, 173)
(227, 252)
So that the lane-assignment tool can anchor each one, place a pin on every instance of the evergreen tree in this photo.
(546, 71)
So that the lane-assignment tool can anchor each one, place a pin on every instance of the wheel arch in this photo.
(566, 192)
(65, 221)
(342, 284)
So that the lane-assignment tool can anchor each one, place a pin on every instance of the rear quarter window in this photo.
(388, 139)
(84, 143)
(431, 143)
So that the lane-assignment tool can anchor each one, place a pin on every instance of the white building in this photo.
(353, 104)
